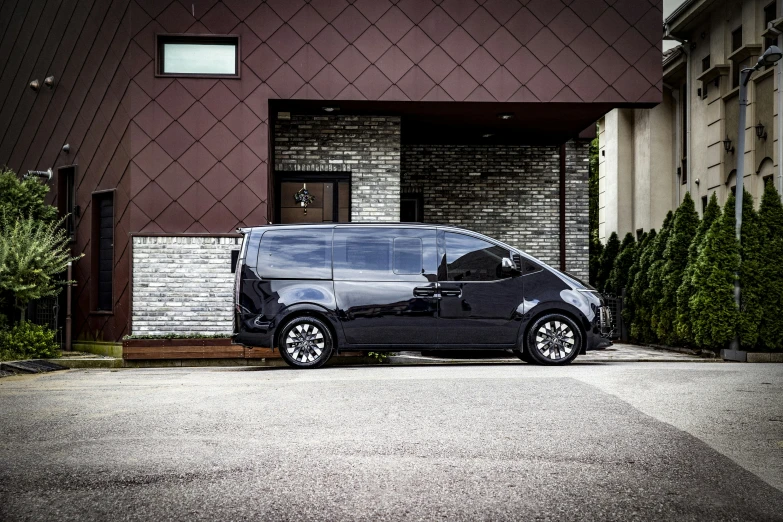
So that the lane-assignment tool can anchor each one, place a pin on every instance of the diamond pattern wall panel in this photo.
(191, 154)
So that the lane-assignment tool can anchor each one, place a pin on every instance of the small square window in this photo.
(767, 180)
(703, 204)
(197, 55)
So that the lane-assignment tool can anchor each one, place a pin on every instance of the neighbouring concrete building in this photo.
(188, 119)
(649, 158)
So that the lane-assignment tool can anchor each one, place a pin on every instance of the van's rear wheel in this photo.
(305, 342)
(553, 339)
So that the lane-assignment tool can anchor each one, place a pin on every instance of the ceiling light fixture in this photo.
(331, 109)
(506, 115)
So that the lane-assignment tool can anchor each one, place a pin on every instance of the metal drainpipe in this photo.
(779, 73)
(68, 296)
(689, 102)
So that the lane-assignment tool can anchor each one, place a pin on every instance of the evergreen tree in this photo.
(652, 292)
(618, 277)
(686, 222)
(608, 256)
(714, 313)
(628, 302)
(638, 281)
(24, 198)
(771, 227)
(33, 254)
(750, 275)
(596, 250)
(686, 289)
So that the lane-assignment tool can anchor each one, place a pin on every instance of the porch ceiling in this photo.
(469, 123)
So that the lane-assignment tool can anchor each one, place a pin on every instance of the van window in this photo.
(300, 253)
(383, 254)
(472, 259)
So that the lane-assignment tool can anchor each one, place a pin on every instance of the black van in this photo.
(311, 290)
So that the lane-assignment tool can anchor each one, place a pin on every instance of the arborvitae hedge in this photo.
(750, 275)
(618, 277)
(653, 287)
(629, 305)
(640, 327)
(607, 261)
(686, 289)
(714, 313)
(771, 226)
(686, 222)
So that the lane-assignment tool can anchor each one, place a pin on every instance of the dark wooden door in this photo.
(331, 199)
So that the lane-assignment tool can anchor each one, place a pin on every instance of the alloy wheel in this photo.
(555, 340)
(305, 342)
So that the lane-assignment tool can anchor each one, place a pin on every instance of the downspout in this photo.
(684, 45)
(677, 141)
(779, 74)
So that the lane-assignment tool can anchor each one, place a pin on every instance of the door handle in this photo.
(451, 292)
(424, 291)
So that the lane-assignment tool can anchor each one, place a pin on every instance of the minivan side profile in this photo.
(314, 290)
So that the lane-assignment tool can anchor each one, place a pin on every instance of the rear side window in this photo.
(383, 254)
(296, 254)
(472, 259)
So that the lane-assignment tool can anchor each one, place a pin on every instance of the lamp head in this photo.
(770, 56)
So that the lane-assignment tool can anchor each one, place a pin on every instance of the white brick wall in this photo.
(182, 285)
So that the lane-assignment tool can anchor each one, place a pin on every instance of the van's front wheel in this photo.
(553, 339)
(305, 342)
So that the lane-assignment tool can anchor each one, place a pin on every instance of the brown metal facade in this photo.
(191, 155)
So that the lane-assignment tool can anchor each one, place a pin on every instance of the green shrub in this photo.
(686, 290)
(750, 275)
(606, 262)
(24, 198)
(629, 306)
(713, 311)
(33, 254)
(618, 277)
(686, 222)
(27, 340)
(771, 227)
(649, 284)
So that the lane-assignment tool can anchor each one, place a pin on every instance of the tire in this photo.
(553, 339)
(305, 342)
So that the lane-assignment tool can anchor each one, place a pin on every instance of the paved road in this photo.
(621, 441)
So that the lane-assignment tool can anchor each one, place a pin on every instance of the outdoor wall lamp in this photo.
(760, 132)
(697, 180)
(727, 145)
(35, 85)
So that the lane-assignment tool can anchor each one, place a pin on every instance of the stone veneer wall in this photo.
(183, 285)
(577, 222)
(366, 146)
(509, 192)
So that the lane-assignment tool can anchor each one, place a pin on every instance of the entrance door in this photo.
(478, 303)
(328, 198)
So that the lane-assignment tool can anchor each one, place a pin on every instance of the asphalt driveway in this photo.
(685, 441)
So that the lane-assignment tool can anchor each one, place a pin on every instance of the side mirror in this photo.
(508, 266)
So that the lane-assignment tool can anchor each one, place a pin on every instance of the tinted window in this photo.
(472, 259)
(408, 255)
(296, 254)
(383, 254)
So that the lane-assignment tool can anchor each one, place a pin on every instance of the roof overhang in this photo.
(470, 122)
(681, 22)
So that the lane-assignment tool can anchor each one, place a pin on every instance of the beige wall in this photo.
(638, 180)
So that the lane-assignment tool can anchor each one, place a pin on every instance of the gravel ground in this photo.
(621, 441)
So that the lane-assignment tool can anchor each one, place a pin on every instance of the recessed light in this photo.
(331, 109)
(487, 135)
(506, 115)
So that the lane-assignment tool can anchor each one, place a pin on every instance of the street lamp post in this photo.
(770, 56)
